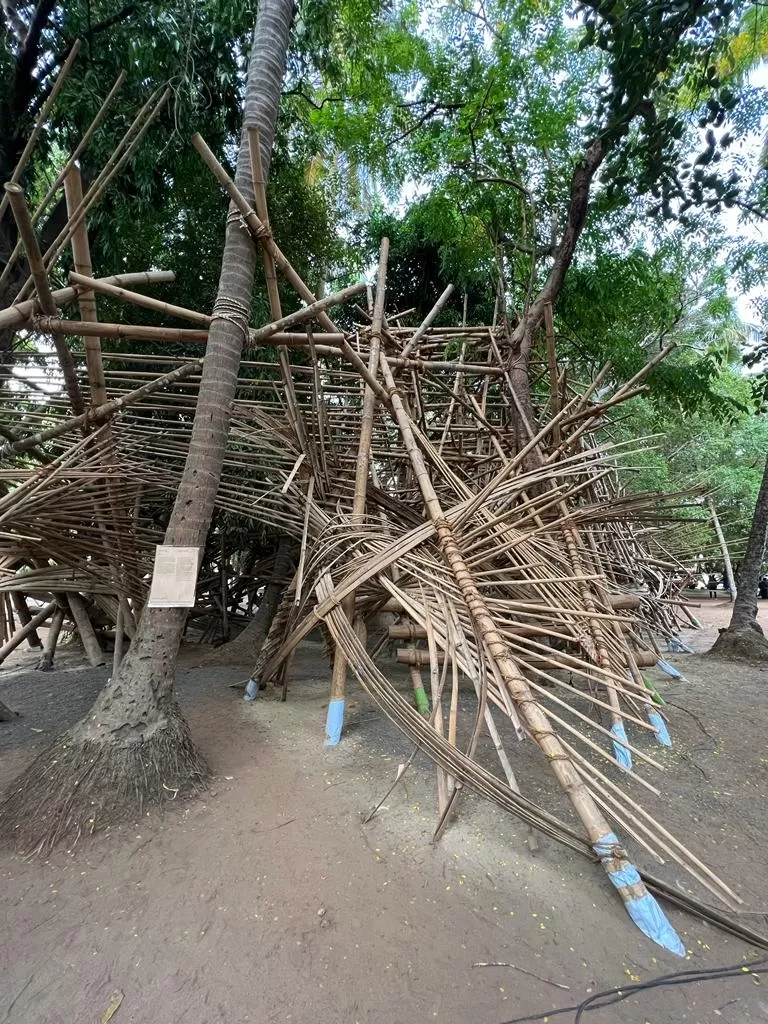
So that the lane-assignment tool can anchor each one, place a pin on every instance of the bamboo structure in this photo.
(525, 582)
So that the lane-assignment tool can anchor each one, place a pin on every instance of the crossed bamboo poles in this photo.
(493, 643)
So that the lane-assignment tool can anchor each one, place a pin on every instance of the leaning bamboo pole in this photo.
(81, 257)
(21, 634)
(641, 906)
(41, 121)
(723, 547)
(335, 717)
(58, 180)
(42, 286)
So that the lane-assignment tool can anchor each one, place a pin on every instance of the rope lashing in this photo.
(234, 311)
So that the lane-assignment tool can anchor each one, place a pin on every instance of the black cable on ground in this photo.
(610, 997)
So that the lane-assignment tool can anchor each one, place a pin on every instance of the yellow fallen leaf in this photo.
(114, 1006)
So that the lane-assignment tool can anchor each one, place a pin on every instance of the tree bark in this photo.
(245, 648)
(744, 638)
(134, 747)
(522, 338)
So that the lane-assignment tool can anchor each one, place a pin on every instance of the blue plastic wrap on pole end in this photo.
(662, 732)
(622, 754)
(251, 690)
(677, 646)
(670, 670)
(334, 722)
(652, 921)
(606, 845)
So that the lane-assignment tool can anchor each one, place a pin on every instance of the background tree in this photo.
(744, 637)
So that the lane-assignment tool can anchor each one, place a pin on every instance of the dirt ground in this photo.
(270, 900)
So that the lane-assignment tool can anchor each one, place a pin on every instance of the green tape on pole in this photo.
(420, 698)
(655, 695)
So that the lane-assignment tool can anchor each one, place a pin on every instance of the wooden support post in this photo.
(88, 636)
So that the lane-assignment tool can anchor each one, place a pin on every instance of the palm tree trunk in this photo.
(744, 636)
(134, 748)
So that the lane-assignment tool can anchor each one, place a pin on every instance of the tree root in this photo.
(745, 644)
(78, 786)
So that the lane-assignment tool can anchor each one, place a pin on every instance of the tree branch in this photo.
(36, 26)
(581, 181)
(114, 19)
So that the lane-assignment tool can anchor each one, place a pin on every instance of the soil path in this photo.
(269, 900)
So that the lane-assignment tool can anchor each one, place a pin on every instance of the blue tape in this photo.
(251, 690)
(625, 876)
(678, 646)
(651, 920)
(604, 847)
(620, 752)
(670, 670)
(334, 722)
(662, 732)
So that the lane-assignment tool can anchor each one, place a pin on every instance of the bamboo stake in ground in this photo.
(724, 549)
(642, 907)
(335, 718)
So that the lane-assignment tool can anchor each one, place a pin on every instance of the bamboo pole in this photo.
(19, 314)
(57, 182)
(427, 321)
(86, 281)
(613, 857)
(88, 636)
(723, 548)
(335, 719)
(21, 634)
(102, 412)
(281, 262)
(43, 288)
(123, 152)
(41, 122)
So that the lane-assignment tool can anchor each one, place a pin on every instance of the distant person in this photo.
(712, 585)
(726, 582)
(762, 587)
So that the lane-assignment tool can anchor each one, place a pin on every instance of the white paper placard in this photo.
(174, 578)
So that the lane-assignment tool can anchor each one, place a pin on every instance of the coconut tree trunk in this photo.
(744, 636)
(245, 648)
(134, 747)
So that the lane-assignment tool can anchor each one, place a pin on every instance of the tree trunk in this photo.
(744, 637)
(244, 649)
(134, 747)
(521, 341)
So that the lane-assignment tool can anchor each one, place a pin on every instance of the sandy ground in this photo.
(269, 900)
